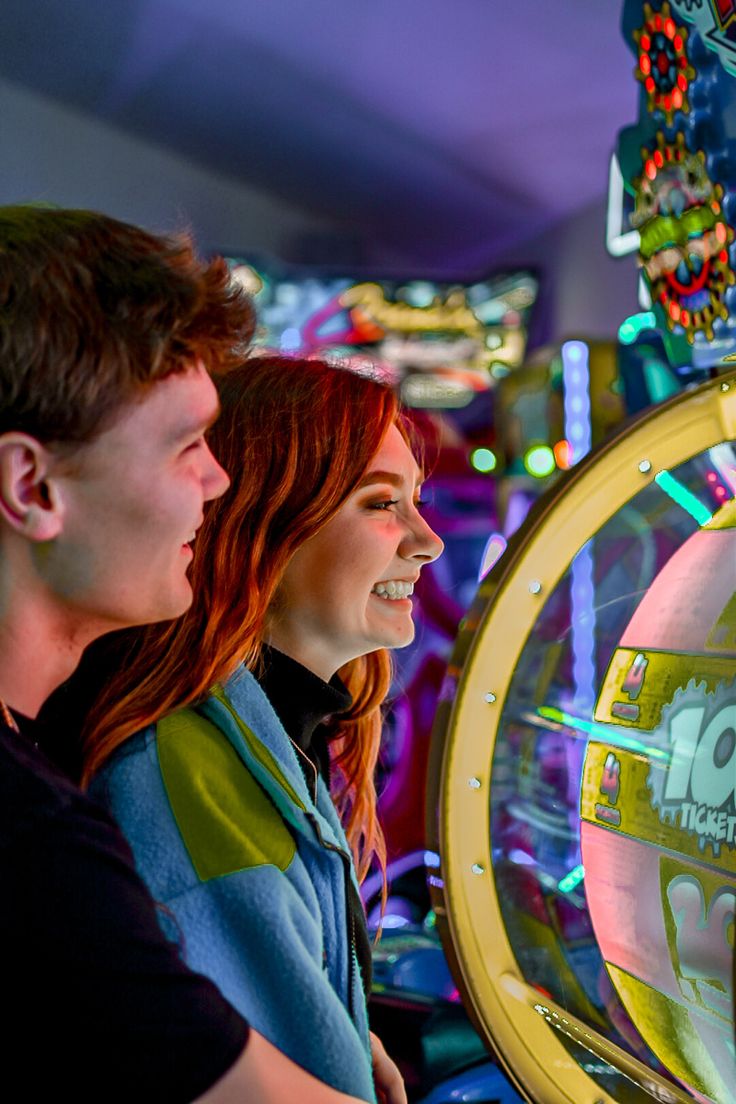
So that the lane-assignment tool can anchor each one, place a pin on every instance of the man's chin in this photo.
(175, 606)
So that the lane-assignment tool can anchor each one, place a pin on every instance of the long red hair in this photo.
(295, 436)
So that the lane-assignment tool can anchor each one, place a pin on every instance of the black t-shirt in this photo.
(97, 1004)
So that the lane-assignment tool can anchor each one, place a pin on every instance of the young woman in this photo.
(302, 574)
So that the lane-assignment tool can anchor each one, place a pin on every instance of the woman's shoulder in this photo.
(135, 756)
(249, 700)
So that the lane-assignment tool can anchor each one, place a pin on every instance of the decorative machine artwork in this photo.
(674, 172)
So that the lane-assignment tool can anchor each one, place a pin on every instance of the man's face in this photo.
(132, 500)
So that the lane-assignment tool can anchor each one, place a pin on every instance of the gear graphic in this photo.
(663, 64)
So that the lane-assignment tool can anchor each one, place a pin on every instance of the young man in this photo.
(107, 336)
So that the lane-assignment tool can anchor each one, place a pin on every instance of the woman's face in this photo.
(346, 591)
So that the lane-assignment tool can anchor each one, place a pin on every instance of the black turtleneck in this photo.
(303, 701)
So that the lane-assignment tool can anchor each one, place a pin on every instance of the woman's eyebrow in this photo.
(393, 478)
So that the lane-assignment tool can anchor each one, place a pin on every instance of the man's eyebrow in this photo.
(197, 425)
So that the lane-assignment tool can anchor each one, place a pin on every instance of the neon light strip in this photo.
(605, 733)
(576, 384)
(582, 616)
(574, 878)
(683, 497)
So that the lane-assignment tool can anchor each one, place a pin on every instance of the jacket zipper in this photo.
(352, 953)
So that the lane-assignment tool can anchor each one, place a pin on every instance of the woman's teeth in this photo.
(394, 589)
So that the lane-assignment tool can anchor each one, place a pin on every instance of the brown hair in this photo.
(92, 309)
(295, 436)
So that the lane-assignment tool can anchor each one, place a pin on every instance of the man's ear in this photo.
(29, 500)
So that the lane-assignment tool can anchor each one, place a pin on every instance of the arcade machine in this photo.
(582, 824)
(586, 773)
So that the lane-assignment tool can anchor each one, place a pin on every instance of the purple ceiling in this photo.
(432, 125)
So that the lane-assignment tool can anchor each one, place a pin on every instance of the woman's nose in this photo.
(422, 543)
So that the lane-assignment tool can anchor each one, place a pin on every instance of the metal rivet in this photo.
(478, 869)
(645, 466)
(490, 697)
(535, 586)
(474, 783)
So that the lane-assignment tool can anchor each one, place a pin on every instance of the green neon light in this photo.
(632, 326)
(574, 878)
(483, 459)
(683, 497)
(604, 733)
(540, 461)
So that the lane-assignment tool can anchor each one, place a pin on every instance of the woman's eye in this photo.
(420, 503)
(384, 504)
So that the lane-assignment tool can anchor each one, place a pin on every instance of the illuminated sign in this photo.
(441, 343)
(451, 315)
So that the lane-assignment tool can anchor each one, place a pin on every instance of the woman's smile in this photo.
(329, 608)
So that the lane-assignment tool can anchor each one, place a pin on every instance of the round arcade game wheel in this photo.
(584, 768)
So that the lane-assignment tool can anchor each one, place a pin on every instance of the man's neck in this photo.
(39, 647)
(32, 666)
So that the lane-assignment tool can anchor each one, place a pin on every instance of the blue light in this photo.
(290, 340)
(575, 380)
(582, 618)
(393, 920)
